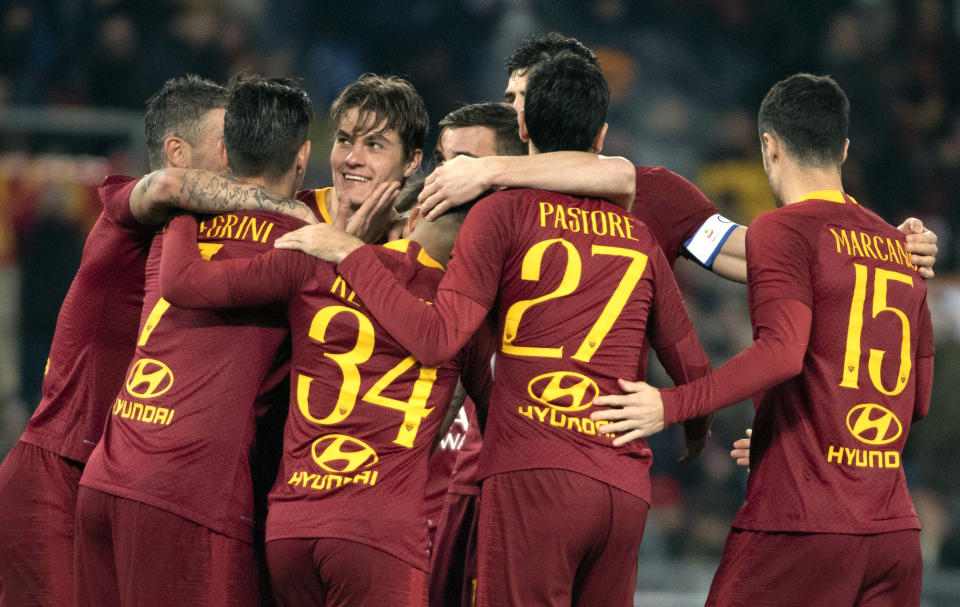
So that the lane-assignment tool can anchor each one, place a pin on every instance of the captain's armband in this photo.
(704, 246)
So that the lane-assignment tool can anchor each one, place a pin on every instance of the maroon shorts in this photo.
(130, 553)
(38, 497)
(330, 572)
(453, 566)
(784, 569)
(554, 537)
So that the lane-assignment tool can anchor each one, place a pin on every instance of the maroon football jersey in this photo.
(453, 463)
(96, 329)
(827, 444)
(672, 207)
(576, 283)
(180, 432)
(363, 411)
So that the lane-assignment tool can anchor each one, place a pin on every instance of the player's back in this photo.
(580, 278)
(181, 428)
(363, 415)
(827, 444)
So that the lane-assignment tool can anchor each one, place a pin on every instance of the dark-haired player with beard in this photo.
(827, 519)
(572, 281)
(165, 513)
(475, 130)
(96, 332)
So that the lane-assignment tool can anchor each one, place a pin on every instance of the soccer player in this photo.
(368, 166)
(96, 332)
(346, 523)
(680, 216)
(572, 282)
(164, 512)
(479, 129)
(843, 363)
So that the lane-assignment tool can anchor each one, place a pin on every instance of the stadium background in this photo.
(686, 78)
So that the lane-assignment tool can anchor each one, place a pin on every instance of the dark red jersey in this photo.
(180, 432)
(316, 200)
(363, 411)
(453, 464)
(576, 283)
(96, 329)
(827, 442)
(672, 207)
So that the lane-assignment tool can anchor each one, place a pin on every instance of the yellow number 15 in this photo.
(851, 358)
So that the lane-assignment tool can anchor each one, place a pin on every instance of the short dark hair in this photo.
(534, 50)
(178, 109)
(810, 114)
(386, 99)
(500, 118)
(566, 106)
(407, 196)
(265, 125)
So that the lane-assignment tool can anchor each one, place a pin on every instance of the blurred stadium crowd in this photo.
(686, 78)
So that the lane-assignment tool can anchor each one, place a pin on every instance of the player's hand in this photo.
(741, 450)
(921, 244)
(322, 240)
(637, 413)
(455, 182)
(374, 217)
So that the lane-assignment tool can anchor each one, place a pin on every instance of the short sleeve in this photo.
(672, 207)
(778, 261)
(115, 195)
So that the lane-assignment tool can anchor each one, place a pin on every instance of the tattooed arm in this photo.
(205, 192)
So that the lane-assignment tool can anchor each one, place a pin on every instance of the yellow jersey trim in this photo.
(830, 195)
(321, 196)
(402, 245)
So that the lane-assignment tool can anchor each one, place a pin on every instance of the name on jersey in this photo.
(148, 414)
(325, 482)
(598, 223)
(874, 246)
(236, 228)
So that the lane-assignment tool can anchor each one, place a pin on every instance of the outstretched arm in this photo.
(188, 279)
(777, 355)
(205, 192)
(464, 178)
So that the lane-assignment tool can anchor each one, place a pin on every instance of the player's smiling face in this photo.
(516, 90)
(366, 154)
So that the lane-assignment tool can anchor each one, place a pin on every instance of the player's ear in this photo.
(412, 220)
(846, 148)
(413, 163)
(303, 157)
(598, 140)
(771, 145)
(522, 123)
(222, 154)
(177, 152)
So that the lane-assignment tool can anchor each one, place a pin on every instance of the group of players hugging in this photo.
(228, 420)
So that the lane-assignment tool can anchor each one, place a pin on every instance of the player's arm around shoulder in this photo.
(205, 192)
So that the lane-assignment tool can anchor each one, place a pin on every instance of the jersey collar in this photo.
(403, 244)
(829, 195)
